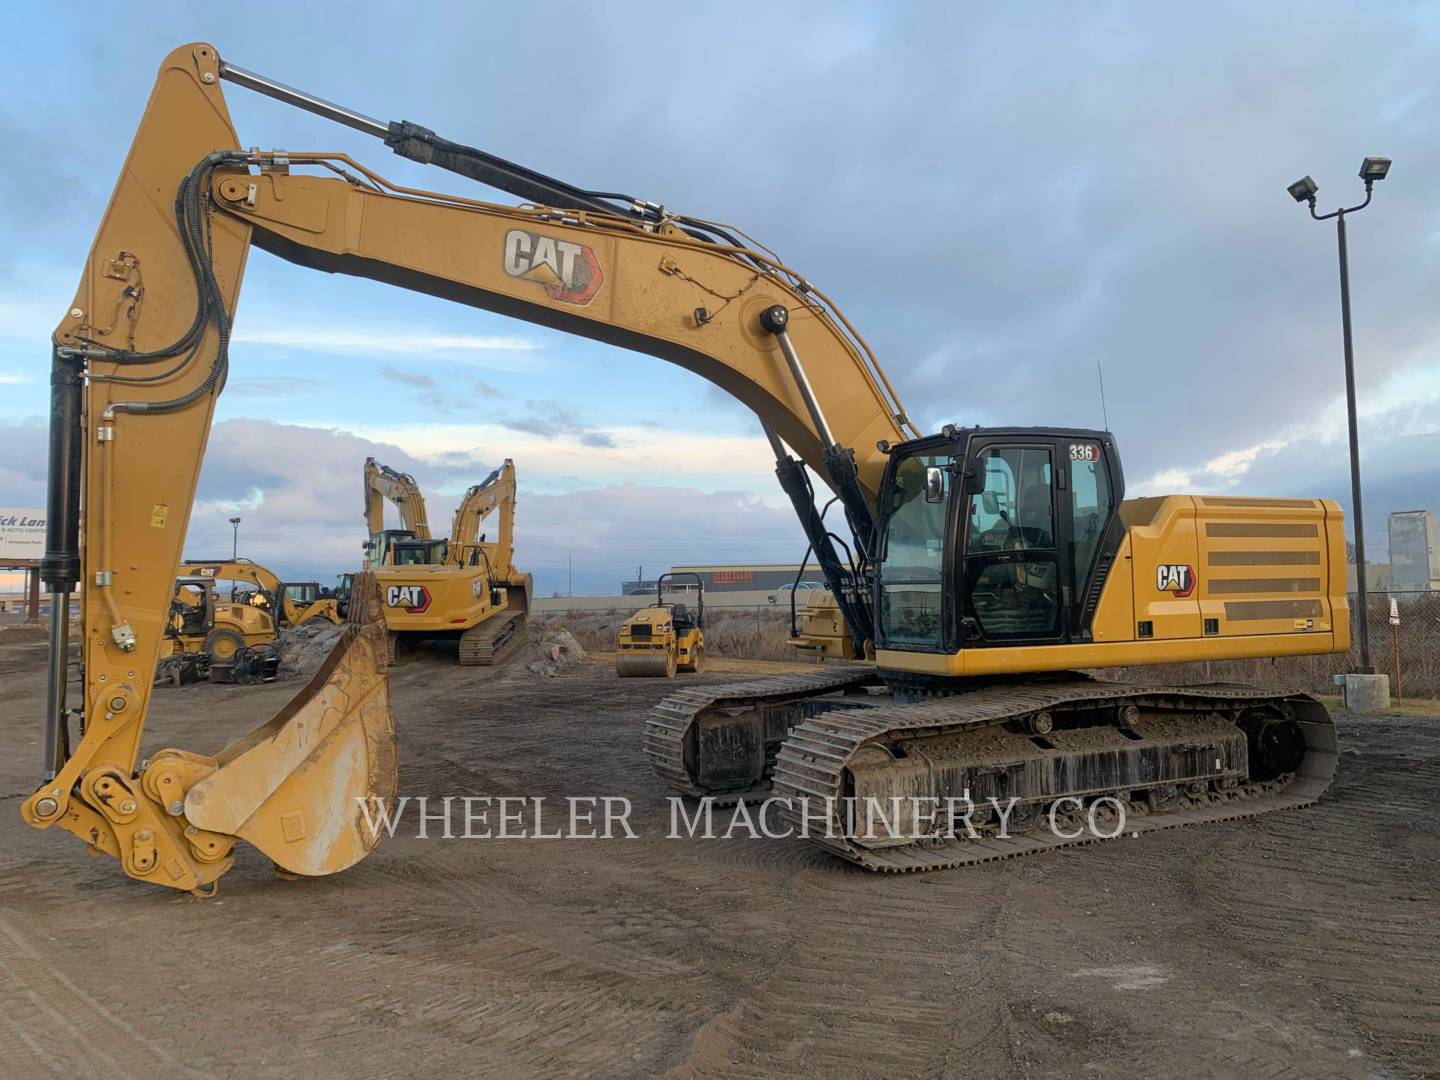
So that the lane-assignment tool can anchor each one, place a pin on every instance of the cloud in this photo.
(8, 379)
(408, 378)
(554, 419)
(307, 522)
(500, 351)
(437, 396)
(274, 386)
(551, 452)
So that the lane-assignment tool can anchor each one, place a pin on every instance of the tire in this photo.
(697, 660)
(224, 645)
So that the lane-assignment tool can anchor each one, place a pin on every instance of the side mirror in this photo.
(990, 503)
(934, 484)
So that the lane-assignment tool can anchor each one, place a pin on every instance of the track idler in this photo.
(1276, 742)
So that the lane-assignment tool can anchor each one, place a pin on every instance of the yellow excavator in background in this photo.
(465, 589)
(664, 638)
(985, 566)
(818, 626)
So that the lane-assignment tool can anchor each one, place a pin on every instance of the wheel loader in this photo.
(208, 639)
(233, 640)
(984, 574)
(465, 589)
(660, 640)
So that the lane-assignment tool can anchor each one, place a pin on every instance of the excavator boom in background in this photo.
(982, 565)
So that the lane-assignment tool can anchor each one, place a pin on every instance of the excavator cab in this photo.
(401, 547)
(996, 537)
(418, 553)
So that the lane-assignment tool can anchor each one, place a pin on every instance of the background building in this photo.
(1414, 551)
(750, 577)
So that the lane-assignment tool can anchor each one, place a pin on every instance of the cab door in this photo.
(1015, 584)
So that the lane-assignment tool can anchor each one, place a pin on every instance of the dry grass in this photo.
(756, 634)
(759, 634)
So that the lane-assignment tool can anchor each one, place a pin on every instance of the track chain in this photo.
(670, 721)
(493, 640)
(813, 761)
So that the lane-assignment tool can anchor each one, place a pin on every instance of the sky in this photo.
(1007, 200)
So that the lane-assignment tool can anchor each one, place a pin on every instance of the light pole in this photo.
(1371, 170)
(234, 549)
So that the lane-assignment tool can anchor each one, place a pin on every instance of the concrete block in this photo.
(1367, 693)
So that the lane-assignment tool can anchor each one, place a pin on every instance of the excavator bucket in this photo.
(298, 787)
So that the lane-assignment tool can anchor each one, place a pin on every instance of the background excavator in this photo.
(983, 568)
(465, 589)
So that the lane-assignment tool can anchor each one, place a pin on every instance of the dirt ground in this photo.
(1303, 944)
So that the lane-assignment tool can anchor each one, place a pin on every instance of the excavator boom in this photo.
(496, 491)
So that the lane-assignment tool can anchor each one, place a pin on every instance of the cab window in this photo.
(1090, 508)
(912, 562)
(1012, 511)
(1012, 567)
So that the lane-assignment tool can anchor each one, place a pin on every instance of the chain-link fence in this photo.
(1408, 652)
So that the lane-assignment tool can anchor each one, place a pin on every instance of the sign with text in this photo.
(22, 534)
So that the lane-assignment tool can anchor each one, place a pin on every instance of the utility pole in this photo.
(569, 575)
(234, 549)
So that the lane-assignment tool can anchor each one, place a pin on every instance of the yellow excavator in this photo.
(985, 568)
(465, 589)
(659, 640)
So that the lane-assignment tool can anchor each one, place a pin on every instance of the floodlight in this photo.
(1374, 168)
(1304, 189)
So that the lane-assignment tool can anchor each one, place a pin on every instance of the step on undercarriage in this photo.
(995, 772)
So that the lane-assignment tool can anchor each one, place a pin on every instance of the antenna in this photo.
(1104, 414)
